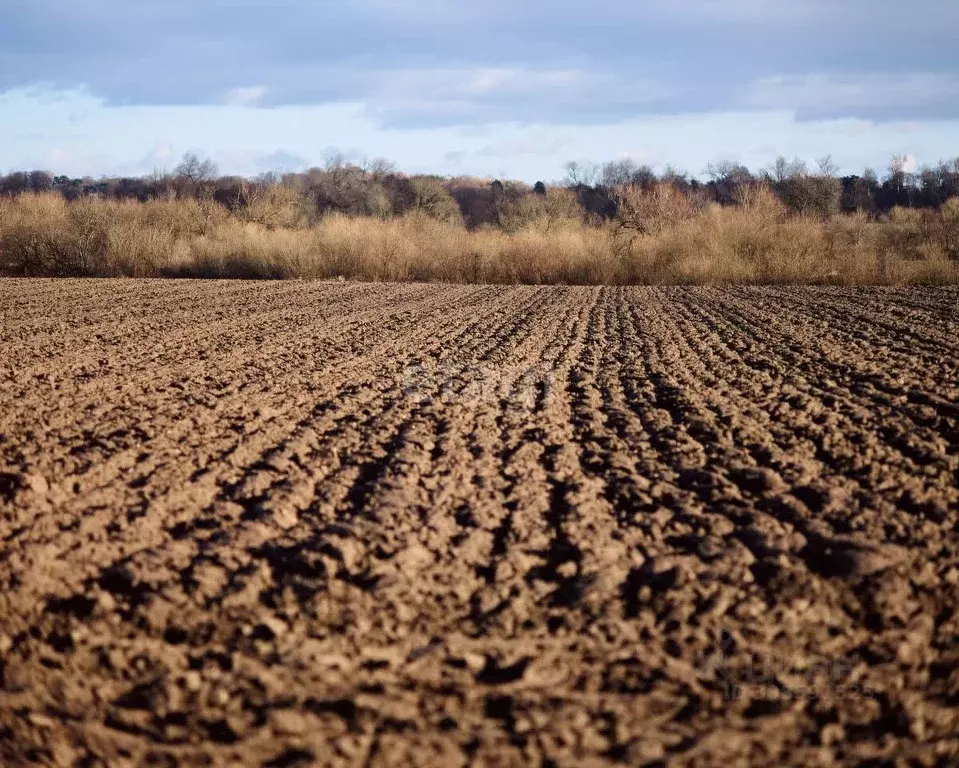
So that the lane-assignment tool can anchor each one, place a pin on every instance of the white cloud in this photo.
(434, 62)
(456, 83)
(829, 93)
(70, 160)
(125, 140)
(486, 80)
(483, 96)
(525, 80)
(244, 97)
(541, 143)
(164, 153)
(641, 156)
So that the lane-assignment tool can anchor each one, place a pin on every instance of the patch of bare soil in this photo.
(299, 523)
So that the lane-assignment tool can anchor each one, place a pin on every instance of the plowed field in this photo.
(341, 524)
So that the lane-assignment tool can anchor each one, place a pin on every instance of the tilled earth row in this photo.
(342, 524)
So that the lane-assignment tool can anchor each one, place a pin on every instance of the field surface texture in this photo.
(354, 524)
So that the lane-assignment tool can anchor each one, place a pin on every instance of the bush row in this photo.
(662, 234)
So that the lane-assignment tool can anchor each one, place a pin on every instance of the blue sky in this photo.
(494, 88)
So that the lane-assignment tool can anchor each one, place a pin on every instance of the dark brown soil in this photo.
(285, 524)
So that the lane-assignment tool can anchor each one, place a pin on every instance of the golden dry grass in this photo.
(545, 242)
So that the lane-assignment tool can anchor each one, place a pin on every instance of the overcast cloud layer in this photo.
(451, 62)
(516, 86)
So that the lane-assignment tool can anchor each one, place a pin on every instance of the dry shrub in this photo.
(375, 249)
(755, 242)
(570, 256)
(950, 228)
(412, 247)
(276, 206)
(672, 239)
(904, 234)
(933, 271)
(644, 212)
(759, 241)
(432, 199)
(924, 234)
(137, 251)
(852, 249)
(919, 246)
(557, 209)
(33, 234)
(44, 235)
(418, 247)
(818, 195)
(248, 251)
(180, 217)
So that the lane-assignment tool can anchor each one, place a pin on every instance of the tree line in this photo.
(377, 188)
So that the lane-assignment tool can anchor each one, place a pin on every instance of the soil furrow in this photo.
(308, 523)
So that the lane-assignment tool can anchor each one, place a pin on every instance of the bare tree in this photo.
(826, 165)
(268, 179)
(731, 182)
(378, 167)
(728, 170)
(194, 169)
(818, 194)
(581, 174)
(899, 178)
(673, 175)
(898, 165)
(783, 170)
(41, 181)
(626, 171)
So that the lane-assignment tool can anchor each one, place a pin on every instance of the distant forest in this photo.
(377, 188)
